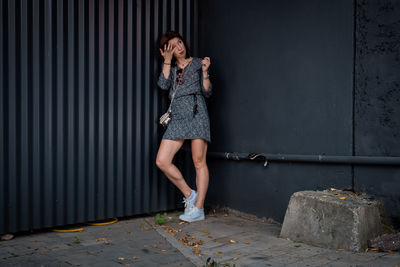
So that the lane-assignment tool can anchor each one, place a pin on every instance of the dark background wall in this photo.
(283, 73)
(377, 98)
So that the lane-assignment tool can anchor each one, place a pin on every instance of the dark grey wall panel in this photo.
(283, 83)
(78, 109)
(377, 109)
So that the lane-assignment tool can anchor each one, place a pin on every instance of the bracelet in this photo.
(167, 63)
(206, 78)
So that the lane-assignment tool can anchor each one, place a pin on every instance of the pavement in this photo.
(225, 238)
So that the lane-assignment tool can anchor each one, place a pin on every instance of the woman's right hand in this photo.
(167, 53)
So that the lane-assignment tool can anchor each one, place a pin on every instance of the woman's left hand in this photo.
(205, 64)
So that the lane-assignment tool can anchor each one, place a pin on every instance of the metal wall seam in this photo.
(120, 112)
(91, 163)
(12, 118)
(37, 122)
(81, 116)
(24, 148)
(155, 196)
(71, 189)
(48, 115)
(2, 126)
(129, 107)
(101, 190)
(59, 187)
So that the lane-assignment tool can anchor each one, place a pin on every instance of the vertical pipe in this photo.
(91, 122)
(24, 119)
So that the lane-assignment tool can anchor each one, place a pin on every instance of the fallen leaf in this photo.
(43, 252)
(196, 250)
(135, 257)
(225, 215)
(154, 246)
(127, 264)
(107, 243)
(247, 242)
(237, 253)
(342, 197)
(181, 223)
(90, 253)
(297, 246)
(340, 249)
(390, 251)
(101, 239)
(163, 250)
(169, 218)
(121, 258)
(232, 241)
(205, 232)
(324, 196)
(235, 259)
(210, 236)
(193, 237)
(218, 252)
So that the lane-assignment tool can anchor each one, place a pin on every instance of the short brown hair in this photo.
(171, 35)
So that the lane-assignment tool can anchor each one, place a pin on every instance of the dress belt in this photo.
(195, 111)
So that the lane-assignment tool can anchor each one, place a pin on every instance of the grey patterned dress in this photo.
(189, 118)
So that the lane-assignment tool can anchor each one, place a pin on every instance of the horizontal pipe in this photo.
(358, 160)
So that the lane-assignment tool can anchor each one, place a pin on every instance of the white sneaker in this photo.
(195, 214)
(189, 202)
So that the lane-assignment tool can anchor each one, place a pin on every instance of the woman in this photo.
(188, 78)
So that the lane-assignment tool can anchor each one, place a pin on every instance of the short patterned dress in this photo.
(189, 115)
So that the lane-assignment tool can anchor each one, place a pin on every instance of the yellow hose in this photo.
(67, 231)
(104, 223)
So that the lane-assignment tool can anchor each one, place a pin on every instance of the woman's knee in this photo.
(161, 163)
(199, 162)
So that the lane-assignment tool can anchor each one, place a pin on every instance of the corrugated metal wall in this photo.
(78, 109)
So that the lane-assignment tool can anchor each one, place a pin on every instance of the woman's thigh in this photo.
(168, 149)
(199, 149)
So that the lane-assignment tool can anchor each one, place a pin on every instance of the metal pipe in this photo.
(357, 160)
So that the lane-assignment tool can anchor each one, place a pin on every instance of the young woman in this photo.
(188, 78)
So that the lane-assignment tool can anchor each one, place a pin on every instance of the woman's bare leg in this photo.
(165, 155)
(199, 152)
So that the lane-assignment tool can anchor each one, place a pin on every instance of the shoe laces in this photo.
(187, 203)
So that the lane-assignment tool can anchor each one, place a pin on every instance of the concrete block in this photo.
(332, 219)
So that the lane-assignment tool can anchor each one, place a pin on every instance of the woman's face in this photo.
(180, 51)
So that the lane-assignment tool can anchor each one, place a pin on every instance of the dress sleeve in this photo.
(164, 83)
(203, 90)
